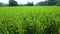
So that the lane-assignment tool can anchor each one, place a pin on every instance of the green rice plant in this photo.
(30, 20)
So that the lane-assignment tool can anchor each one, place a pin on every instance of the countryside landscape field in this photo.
(30, 20)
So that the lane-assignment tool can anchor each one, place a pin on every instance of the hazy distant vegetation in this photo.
(43, 3)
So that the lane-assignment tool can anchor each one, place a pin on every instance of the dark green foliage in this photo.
(1, 4)
(13, 3)
(49, 3)
(52, 2)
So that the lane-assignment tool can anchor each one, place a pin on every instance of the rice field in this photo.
(30, 20)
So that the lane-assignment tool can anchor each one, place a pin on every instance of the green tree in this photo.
(58, 2)
(1, 4)
(52, 2)
(12, 3)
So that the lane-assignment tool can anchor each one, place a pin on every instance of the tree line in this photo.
(49, 3)
(43, 3)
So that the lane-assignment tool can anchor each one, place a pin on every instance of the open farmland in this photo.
(30, 20)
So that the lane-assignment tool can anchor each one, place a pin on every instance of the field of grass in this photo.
(30, 20)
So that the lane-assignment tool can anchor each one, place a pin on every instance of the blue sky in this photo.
(23, 1)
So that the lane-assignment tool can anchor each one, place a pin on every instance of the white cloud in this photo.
(4, 1)
(23, 1)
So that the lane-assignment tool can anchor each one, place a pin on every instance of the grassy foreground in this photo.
(30, 20)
